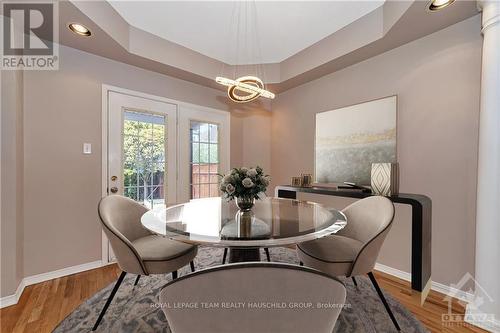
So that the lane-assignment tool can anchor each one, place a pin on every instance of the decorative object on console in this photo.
(246, 185)
(385, 178)
(297, 181)
(306, 179)
(350, 139)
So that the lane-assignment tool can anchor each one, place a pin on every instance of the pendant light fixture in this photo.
(248, 87)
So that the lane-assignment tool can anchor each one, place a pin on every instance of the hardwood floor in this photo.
(44, 305)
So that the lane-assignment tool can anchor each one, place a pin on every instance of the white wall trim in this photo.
(492, 325)
(104, 165)
(436, 286)
(29, 280)
(14, 298)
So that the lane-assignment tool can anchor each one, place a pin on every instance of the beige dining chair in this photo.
(253, 297)
(137, 250)
(354, 250)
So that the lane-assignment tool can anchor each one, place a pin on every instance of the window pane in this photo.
(214, 179)
(214, 135)
(130, 192)
(204, 152)
(195, 152)
(158, 175)
(195, 131)
(214, 168)
(203, 168)
(214, 155)
(145, 176)
(204, 160)
(129, 177)
(204, 132)
(204, 176)
(204, 190)
(144, 157)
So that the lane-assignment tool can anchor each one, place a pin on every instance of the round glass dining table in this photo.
(271, 222)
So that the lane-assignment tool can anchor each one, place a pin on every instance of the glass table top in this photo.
(271, 222)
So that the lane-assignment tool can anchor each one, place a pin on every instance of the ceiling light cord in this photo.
(249, 87)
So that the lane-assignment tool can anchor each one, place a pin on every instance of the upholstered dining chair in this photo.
(354, 250)
(137, 250)
(253, 297)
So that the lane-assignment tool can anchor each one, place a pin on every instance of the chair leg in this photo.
(110, 298)
(192, 266)
(384, 301)
(174, 275)
(267, 254)
(137, 280)
(354, 281)
(224, 256)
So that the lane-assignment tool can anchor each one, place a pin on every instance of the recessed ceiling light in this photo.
(79, 29)
(436, 5)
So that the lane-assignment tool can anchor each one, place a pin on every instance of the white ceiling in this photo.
(212, 27)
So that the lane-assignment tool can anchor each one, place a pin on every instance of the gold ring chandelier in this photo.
(251, 86)
(246, 88)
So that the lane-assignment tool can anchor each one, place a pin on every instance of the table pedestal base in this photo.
(244, 255)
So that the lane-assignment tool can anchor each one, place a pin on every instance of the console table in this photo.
(421, 227)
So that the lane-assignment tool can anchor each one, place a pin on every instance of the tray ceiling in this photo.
(212, 28)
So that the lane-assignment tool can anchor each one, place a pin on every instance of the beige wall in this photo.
(436, 79)
(11, 249)
(63, 186)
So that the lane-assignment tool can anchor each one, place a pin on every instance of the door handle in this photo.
(114, 189)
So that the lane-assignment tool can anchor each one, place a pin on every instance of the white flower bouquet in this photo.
(249, 183)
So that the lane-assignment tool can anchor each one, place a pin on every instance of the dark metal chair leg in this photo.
(384, 301)
(224, 256)
(354, 281)
(174, 275)
(192, 266)
(267, 254)
(110, 298)
(137, 280)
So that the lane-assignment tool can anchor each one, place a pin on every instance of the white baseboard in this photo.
(492, 325)
(29, 280)
(436, 286)
(14, 298)
(393, 271)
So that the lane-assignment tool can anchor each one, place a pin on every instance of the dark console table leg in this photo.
(421, 232)
(244, 255)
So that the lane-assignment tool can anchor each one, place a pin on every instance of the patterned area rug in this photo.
(133, 310)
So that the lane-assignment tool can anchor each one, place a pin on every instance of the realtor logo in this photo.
(29, 35)
(471, 301)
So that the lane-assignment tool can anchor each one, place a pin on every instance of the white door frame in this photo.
(104, 143)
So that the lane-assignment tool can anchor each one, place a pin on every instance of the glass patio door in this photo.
(142, 149)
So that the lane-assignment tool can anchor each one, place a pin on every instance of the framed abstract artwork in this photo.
(348, 140)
